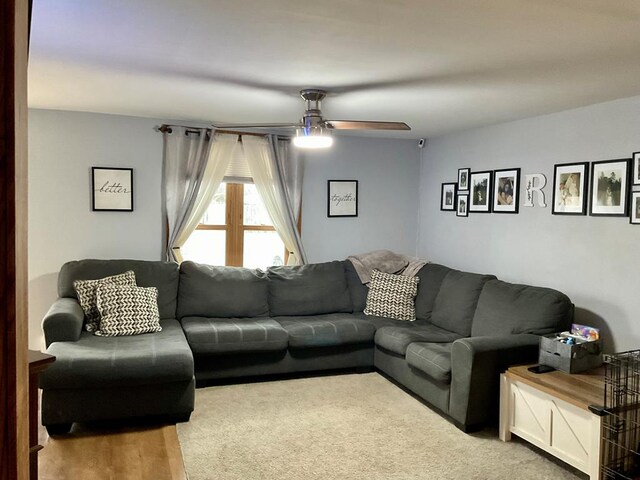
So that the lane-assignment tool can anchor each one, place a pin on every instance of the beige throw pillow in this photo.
(126, 310)
(392, 296)
(86, 290)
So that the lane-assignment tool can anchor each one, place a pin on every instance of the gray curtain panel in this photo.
(185, 160)
(290, 167)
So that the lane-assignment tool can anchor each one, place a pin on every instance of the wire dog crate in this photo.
(621, 422)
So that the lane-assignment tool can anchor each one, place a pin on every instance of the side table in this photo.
(551, 411)
(38, 362)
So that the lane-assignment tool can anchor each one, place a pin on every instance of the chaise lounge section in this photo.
(227, 322)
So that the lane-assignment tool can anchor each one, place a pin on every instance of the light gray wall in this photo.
(63, 146)
(387, 171)
(593, 260)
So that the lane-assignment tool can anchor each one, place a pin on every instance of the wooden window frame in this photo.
(235, 227)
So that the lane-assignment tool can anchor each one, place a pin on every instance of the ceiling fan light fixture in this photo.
(312, 137)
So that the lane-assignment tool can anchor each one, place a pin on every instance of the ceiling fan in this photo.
(313, 131)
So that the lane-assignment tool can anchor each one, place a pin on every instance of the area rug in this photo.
(356, 426)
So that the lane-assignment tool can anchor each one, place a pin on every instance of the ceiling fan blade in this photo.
(362, 125)
(236, 126)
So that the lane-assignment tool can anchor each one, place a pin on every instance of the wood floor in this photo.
(116, 453)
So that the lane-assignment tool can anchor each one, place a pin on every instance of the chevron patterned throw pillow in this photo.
(126, 310)
(392, 296)
(86, 290)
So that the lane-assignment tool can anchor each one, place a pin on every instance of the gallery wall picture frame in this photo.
(462, 205)
(635, 208)
(635, 169)
(448, 197)
(111, 189)
(610, 188)
(506, 190)
(342, 198)
(570, 188)
(463, 179)
(634, 216)
(480, 184)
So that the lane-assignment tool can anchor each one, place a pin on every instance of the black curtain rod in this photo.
(165, 128)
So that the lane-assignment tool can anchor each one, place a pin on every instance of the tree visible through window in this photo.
(235, 230)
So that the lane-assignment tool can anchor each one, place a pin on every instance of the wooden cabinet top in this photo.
(579, 389)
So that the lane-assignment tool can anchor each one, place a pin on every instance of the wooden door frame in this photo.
(14, 397)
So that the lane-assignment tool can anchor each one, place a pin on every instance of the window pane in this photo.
(215, 214)
(254, 211)
(206, 246)
(262, 249)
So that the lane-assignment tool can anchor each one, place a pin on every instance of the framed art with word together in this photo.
(342, 198)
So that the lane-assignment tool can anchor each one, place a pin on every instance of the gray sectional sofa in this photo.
(226, 322)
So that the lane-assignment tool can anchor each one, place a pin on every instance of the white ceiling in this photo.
(439, 65)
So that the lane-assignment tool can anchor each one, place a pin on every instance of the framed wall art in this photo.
(635, 172)
(506, 188)
(480, 192)
(463, 179)
(610, 188)
(635, 208)
(448, 197)
(342, 198)
(111, 189)
(570, 183)
(462, 205)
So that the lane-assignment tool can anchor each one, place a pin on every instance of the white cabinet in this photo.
(566, 431)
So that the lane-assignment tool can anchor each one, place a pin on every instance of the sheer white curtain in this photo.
(194, 166)
(266, 162)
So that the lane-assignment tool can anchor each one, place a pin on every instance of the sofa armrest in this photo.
(63, 322)
(476, 364)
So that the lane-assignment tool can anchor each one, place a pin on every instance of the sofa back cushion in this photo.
(162, 275)
(357, 289)
(312, 289)
(431, 277)
(222, 292)
(506, 308)
(456, 301)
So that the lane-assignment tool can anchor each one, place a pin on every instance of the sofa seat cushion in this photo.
(326, 330)
(432, 359)
(396, 339)
(218, 336)
(379, 322)
(102, 362)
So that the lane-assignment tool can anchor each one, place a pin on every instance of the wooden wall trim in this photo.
(14, 423)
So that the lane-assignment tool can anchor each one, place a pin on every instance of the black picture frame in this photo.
(463, 179)
(485, 206)
(462, 205)
(621, 206)
(634, 208)
(445, 204)
(339, 192)
(111, 189)
(635, 168)
(561, 191)
(502, 192)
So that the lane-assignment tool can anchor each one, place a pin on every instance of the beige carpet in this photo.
(358, 426)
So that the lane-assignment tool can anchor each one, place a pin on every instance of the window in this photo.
(235, 230)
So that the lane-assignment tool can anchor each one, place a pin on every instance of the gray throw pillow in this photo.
(392, 296)
(86, 290)
(126, 310)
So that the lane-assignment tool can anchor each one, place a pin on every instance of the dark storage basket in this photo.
(620, 458)
(575, 358)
